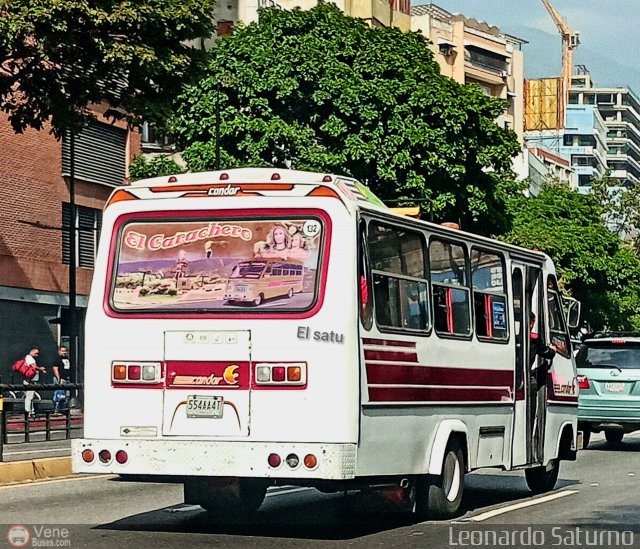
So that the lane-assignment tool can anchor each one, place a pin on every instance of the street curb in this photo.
(34, 469)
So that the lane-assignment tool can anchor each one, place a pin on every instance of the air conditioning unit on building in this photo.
(447, 50)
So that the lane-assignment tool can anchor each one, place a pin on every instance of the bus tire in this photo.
(440, 496)
(586, 438)
(290, 293)
(540, 479)
(613, 437)
(244, 499)
(258, 300)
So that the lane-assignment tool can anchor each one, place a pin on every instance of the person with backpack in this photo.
(30, 361)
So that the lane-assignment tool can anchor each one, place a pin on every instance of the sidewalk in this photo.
(38, 459)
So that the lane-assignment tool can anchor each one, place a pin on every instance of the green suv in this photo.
(609, 378)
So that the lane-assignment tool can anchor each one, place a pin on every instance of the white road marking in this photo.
(54, 481)
(522, 505)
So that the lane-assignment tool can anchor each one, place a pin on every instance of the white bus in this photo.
(404, 358)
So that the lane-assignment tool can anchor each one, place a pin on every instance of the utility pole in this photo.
(73, 320)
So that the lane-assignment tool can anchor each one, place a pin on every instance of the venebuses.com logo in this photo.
(20, 535)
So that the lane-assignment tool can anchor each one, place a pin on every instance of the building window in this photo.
(100, 154)
(88, 223)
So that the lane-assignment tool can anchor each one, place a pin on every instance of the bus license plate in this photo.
(204, 406)
(615, 387)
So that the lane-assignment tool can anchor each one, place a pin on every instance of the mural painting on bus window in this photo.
(217, 265)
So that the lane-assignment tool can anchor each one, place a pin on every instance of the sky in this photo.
(609, 34)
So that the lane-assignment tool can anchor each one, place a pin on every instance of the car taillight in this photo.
(281, 373)
(136, 372)
(583, 382)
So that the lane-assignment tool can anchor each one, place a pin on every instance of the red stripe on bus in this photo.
(432, 375)
(419, 394)
(398, 356)
(389, 343)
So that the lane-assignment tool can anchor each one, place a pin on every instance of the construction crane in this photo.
(570, 41)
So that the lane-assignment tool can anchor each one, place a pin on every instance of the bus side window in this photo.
(557, 327)
(400, 290)
(451, 295)
(489, 295)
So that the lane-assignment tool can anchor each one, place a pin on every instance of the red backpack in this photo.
(24, 369)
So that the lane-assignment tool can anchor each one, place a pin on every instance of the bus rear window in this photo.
(217, 265)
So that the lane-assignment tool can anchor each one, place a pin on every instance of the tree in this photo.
(621, 207)
(141, 168)
(57, 58)
(594, 265)
(322, 91)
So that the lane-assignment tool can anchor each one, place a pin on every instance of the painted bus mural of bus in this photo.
(256, 281)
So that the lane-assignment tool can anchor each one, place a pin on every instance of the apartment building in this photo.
(378, 13)
(34, 229)
(619, 109)
(474, 52)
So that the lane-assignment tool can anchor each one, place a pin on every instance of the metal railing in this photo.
(22, 422)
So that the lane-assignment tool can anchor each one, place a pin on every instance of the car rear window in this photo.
(625, 356)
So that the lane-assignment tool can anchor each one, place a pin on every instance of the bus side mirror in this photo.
(573, 307)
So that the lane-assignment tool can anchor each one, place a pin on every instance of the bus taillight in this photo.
(121, 457)
(142, 373)
(281, 373)
(88, 456)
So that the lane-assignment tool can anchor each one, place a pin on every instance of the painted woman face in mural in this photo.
(280, 238)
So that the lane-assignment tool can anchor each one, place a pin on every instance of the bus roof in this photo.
(297, 183)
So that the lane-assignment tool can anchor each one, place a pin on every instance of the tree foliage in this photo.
(141, 167)
(621, 208)
(593, 263)
(57, 57)
(321, 91)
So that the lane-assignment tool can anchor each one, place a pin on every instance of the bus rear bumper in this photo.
(335, 461)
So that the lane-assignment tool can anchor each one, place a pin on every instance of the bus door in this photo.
(208, 380)
(525, 281)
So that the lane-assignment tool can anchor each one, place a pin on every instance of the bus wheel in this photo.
(243, 497)
(542, 479)
(613, 437)
(258, 300)
(586, 438)
(440, 496)
(290, 293)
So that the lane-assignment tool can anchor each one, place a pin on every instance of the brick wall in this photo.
(33, 191)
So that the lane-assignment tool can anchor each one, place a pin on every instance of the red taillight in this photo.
(134, 372)
(583, 382)
(274, 460)
(327, 179)
(618, 341)
(88, 455)
(310, 461)
(277, 373)
(104, 456)
(121, 457)
(275, 177)
(224, 176)
(173, 179)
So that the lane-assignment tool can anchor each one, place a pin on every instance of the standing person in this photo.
(30, 360)
(62, 372)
